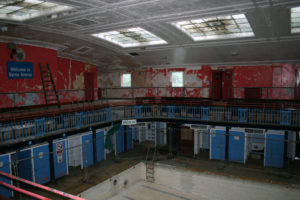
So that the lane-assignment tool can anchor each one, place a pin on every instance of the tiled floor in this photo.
(149, 191)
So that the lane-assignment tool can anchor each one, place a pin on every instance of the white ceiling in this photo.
(71, 32)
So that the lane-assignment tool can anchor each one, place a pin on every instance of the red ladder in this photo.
(50, 92)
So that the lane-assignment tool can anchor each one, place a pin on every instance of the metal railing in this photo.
(33, 98)
(272, 93)
(21, 130)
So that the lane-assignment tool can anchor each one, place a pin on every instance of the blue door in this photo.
(218, 145)
(41, 164)
(129, 143)
(87, 150)
(120, 140)
(60, 162)
(100, 152)
(5, 167)
(236, 147)
(274, 153)
(25, 165)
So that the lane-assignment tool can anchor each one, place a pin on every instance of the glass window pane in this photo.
(137, 37)
(218, 27)
(295, 20)
(27, 9)
(126, 80)
(177, 79)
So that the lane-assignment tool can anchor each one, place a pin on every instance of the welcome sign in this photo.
(19, 70)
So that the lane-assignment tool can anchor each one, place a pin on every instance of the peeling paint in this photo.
(66, 74)
(243, 76)
(78, 83)
(70, 68)
(205, 93)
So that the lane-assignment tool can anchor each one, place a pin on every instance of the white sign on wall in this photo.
(59, 152)
(129, 122)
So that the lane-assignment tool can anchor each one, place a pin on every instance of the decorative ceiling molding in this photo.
(229, 64)
(36, 43)
(269, 20)
(216, 43)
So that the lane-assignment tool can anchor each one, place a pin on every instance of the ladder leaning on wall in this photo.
(50, 92)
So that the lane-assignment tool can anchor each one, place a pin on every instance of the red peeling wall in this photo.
(70, 75)
(275, 81)
(27, 92)
(35, 55)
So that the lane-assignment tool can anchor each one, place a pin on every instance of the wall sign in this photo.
(59, 152)
(129, 122)
(19, 70)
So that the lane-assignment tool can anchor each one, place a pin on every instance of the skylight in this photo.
(131, 37)
(295, 20)
(26, 9)
(232, 26)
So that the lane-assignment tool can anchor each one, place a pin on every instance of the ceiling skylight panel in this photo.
(48, 4)
(295, 20)
(231, 26)
(34, 1)
(12, 8)
(27, 9)
(131, 37)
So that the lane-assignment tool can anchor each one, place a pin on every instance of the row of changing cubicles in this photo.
(269, 144)
(48, 161)
(237, 145)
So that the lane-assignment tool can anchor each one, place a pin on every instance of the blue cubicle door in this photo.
(100, 151)
(129, 142)
(41, 163)
(6, 168)
(218, 143)
(25, 168)
(274, 149)
(120, 140)
(236, 145)
(60, 162)
(87, 153)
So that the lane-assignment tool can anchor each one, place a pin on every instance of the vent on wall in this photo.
(83, 50)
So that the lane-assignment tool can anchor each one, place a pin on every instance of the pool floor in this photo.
(149, 191)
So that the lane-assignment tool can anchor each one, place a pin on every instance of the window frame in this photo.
(122, 80)
(182, 76)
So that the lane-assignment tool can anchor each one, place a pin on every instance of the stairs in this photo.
(50, 92)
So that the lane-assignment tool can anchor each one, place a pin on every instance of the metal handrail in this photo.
(13, 131)
(60, 193)
(133, 93)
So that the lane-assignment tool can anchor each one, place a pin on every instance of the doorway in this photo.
(297, 153)
(89, 86)
(186, 141)
(222, 88)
